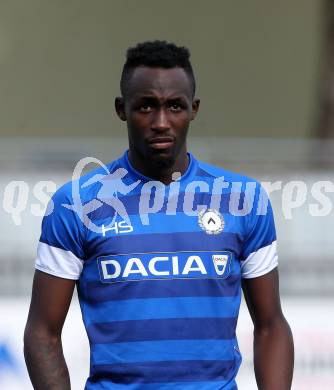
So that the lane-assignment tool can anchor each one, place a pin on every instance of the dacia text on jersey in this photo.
(127, 267)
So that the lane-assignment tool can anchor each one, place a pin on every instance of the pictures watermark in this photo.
(151, 197)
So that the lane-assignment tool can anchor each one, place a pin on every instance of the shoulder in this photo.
(209, 170)
(245, 195)
(84, 187)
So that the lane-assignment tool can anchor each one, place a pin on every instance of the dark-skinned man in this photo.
(160, 285)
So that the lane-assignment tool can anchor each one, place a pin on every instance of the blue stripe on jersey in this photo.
(162, 350)
(209, 385)
(162, 223)
(188, 370)
(98, 292)
(171, 242)
(132, 202)
(162, 329)
(144, 309)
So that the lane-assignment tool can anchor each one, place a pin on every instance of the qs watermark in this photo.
(239, 198)
(17, 195)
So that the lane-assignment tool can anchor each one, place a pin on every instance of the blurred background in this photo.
(265, 75)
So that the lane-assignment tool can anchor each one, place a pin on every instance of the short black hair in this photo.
(156, 54)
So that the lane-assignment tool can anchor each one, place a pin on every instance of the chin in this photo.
(162, 159)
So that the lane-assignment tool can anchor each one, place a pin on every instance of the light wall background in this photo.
(257, 63)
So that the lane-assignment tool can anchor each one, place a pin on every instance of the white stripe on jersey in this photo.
(260, 262)
(58, 262)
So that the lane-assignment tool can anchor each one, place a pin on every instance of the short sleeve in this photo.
(60, 248)
(259, 255)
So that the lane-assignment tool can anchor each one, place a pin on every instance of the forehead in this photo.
(147, 81)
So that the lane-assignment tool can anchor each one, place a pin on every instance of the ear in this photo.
(194, 108)
(120, 108)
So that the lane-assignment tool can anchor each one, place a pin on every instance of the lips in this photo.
(161, 142)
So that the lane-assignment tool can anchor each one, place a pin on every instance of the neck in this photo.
(161, 170)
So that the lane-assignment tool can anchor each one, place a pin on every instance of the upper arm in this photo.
(51, 297)
(58, 264)
(259, 252)
(262, 298)
(259, 263)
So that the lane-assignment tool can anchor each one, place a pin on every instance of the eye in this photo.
(175, 107)
(145, 108)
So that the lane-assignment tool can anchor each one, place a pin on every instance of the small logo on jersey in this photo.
(220, 262)
(211, 221)
(117, 228)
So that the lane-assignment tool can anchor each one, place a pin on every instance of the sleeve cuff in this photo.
(260, 262)
(58, 262)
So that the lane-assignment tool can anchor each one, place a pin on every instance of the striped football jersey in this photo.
(159, 270)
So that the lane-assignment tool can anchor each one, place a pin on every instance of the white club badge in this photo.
(211, 221)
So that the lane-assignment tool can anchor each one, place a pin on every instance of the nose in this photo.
(160, 122)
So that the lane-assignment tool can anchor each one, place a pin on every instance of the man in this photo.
(160, 287)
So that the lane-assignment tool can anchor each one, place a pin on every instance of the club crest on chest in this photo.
(211, 221)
